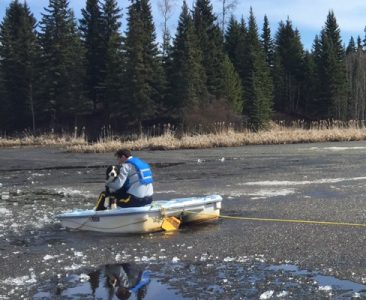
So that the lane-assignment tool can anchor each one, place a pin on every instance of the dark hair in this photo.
(123, 152)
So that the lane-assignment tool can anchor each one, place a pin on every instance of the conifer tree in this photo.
(351, 48)
(309, 86)
(186, 74)
(267, 42)
(332, 73)
(112, 81)
(257, 81)
(242, 61)
(144, 76)
(62, 65)
(232, 37)
(356, 74)
(18, 52)
(288, 69)
(235, 45)
(232, 87)
(359, 44)
(210, 40)
(91, 27)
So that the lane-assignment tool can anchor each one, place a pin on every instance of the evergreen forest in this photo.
(61, 72)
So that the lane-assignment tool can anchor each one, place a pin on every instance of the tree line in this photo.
(62, 72)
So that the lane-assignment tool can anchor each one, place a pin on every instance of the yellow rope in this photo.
(286, 220)
(294, 221)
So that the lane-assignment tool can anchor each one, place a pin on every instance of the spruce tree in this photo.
(356, 74)
(332, 72)
(232, 87)
(359, 44)
(62, 64)
(309, 86)
(267, 42)
(112, 80)
(211, 43)
(143, 74)
(236, 49)
(18, 52)
(91, 27)
(241, 61)
(232, 37)
(288, 70)
(351, 48)
(186, 74)
(257, 81)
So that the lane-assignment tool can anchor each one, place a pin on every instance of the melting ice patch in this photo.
(306, 182)
(266, 193)
(72, 192)
(263, 193)
(267, 295)
(338, 148)
(22, 280)
(165, 192)
(5, 212)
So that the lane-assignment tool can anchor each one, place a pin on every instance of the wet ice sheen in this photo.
(326, 283)
(172, 277)
(240, 279)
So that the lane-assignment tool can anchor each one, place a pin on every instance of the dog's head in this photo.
(112, 173)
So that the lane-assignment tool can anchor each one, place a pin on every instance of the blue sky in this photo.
(307, 16)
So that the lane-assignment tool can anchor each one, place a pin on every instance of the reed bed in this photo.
(227, 138)
(42, 140)
(223, 136)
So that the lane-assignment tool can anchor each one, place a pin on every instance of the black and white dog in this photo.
(112, 173)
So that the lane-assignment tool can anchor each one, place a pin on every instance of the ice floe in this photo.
(266, 295)
(306, 182)
(265, 193)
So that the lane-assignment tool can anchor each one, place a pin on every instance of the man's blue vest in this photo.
(143, 170)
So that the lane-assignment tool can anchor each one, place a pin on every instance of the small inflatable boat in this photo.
(159, 215)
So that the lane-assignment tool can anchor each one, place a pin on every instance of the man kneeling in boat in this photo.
(133, 186)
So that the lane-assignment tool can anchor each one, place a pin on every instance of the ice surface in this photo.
(266, 295)
(306, 182)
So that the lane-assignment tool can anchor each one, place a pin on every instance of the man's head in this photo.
(122, 155)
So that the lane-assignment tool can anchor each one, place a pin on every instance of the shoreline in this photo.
(168, 141)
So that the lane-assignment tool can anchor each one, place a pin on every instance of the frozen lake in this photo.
(229, 259)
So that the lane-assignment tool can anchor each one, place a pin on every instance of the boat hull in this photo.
(143, 219)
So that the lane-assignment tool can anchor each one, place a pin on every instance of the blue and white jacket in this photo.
(137, 177)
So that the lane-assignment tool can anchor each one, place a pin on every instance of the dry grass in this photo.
(229, 138)
(323, 131)
(43, 140)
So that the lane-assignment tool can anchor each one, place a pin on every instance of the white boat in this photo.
(147, 218)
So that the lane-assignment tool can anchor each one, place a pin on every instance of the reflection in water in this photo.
(113, 281)
(121, 280)
(206, 279)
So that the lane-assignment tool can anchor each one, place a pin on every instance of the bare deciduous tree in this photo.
(166, 9)
(227, 7)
